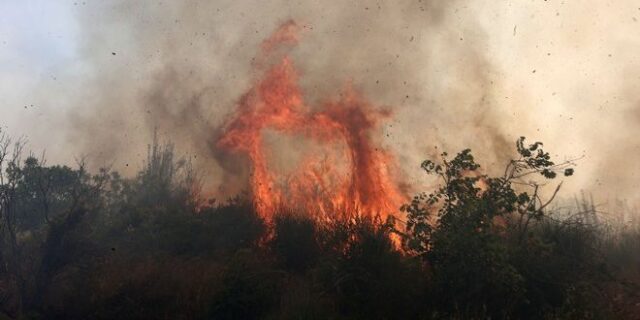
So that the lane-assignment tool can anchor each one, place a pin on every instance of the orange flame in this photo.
(351, 175)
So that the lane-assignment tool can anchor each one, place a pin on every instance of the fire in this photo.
(349, 175)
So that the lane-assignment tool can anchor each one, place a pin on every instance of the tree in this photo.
(10, 253)
(458, 228)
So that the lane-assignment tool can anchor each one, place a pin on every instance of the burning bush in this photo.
(122, 256)
(330, 239)
(349, 173)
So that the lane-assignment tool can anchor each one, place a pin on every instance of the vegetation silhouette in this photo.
(81, 245)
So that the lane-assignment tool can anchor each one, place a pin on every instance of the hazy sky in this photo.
(38, 42)
(564, 72)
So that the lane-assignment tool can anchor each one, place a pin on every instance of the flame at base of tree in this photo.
(350, 174)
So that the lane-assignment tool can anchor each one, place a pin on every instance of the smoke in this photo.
(181, 68)
(455, 74)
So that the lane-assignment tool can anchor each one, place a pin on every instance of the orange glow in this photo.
(349, 174)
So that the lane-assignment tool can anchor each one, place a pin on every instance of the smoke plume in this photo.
(454, 74)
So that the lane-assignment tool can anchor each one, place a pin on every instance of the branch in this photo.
(552, 197)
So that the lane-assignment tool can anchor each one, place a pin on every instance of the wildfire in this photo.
(350, 174)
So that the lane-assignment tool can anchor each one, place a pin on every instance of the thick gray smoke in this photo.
(456, 74)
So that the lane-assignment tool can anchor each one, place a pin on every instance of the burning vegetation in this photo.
(329, 235)
(347, 172)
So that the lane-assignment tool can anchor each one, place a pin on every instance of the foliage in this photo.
(76, 245)
(491, 246)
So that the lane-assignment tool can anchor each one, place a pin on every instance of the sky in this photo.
(38, 49)
(564, 72)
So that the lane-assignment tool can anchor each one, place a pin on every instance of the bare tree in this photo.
(10, 158)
